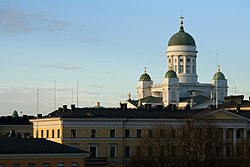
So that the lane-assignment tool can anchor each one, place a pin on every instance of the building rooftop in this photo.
(121, 113)
(9, 120)
(14, 145)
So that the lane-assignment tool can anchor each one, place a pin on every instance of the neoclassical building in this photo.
(180, 86)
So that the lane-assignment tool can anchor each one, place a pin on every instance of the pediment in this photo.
(221, 115)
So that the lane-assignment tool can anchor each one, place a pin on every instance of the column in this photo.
(234, 142)
(184, 64)
(224, 142)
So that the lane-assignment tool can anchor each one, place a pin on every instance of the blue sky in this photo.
(105, 45)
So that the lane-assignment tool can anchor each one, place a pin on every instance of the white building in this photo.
(180, 85)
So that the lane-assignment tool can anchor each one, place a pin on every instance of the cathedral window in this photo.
(181, 69)
(188, 68)
(173, 98)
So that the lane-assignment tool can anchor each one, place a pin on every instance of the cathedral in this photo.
(180, 87)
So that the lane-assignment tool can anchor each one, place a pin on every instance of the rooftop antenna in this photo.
(37, 107)
(217, 59)
(72, 98)
(54, 94)
(77, 93)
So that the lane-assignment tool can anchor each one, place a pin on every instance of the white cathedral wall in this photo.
(204, 88)
(181, 48)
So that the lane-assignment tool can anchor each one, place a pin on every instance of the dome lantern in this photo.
(181, 37)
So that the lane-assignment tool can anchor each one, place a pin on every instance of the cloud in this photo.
(91, 40)
(15, 20)
(62, 66)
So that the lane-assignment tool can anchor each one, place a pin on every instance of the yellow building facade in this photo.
(114, 136)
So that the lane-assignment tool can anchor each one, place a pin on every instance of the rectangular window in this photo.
(161, 133)
(112, 151)
(228, 133)
(93, 133)
(16, 165)
(46, 164)
(150, 133)
(53, 133)
(150, 151)
(172, 133)
(162, 151)
(248, 134)
(73, 133)
(127, 151)
(228, 151)
(31, 165)
(41, 133)
(173, 151)
(60, 164)
(188, 68)
(138, 133)
(217, 151)
(74, 164)
(127, 133)
(112, 133)
(181, 69)
(93, 151)
(239, 133)
(138, 151)
(58, 133)
(47, 134)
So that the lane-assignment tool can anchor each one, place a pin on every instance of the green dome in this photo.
(15, 114)
(145, 77)
(219, 76)
(181, 38)
(170, 74)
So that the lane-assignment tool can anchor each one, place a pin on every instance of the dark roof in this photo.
(199, 99)
(151, 99)
(34, 145)
(121, 113)
(9, 120)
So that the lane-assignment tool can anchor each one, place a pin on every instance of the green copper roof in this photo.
(219, 76)
(145, 77)
(170, 74)
(15, 114)
(181, 38)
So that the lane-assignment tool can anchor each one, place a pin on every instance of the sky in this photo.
(104, 45)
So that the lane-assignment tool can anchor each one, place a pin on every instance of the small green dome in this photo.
(15, 114)
(170, 74)
(219, 76)
(145, 77)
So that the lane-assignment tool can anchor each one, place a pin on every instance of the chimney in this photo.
(65, 108)
(60, 109)
(73, 107)
(148, 106)
(12, 133)
(123, 106)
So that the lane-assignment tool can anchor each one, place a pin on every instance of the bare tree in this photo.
(158, 148)
(201, 143)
